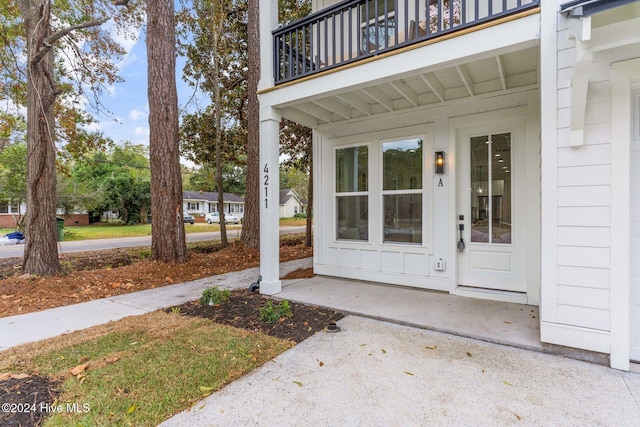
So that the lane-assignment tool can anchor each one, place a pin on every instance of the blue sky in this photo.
(127, 101)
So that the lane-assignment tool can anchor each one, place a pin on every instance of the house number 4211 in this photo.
(266, 185)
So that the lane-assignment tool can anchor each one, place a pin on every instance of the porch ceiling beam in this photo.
(463, 72)
(316, 111)
(405, 90)
(335, 106)
(503, 80)
(432, 82)
(356, 102)
(301, 117)
(377, 94)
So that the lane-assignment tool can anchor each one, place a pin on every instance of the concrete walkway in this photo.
(375, 372)
(24, 328)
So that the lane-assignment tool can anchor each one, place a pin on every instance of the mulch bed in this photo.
(25, 401)
(243, 311)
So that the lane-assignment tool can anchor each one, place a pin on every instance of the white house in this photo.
(485, 148)
(204, 202)
(290, 203)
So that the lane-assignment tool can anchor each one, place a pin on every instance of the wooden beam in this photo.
(432, 82)
(356, 102)
(466, 78)
(503, 81)
(405, 90)
(380, 96)
(301, 117)
(334, 106)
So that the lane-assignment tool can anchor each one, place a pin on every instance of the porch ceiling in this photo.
(476, 78)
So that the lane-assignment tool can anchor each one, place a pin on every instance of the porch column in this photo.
(269, 201)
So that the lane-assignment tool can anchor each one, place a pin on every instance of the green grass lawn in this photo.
(112, 231)
(140, 371)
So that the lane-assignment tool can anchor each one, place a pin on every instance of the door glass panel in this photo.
(490, 174)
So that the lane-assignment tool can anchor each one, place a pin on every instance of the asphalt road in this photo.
(12, 251)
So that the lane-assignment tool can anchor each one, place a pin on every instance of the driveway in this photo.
(130, 242)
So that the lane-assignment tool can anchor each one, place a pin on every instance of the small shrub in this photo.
(300, 215)
(214, 295)
(272, 313)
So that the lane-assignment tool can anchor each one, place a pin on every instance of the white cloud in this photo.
(136, 114)
(142, 131)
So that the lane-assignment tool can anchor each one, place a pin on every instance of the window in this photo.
(402, 190)
(4, 207)
(352, 199)
(490, 164)
(295, 209)
(193, 206)
(378, 24)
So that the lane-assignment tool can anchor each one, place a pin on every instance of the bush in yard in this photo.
(272, 313)
(214, 295)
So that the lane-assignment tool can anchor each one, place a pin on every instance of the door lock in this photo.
(461, 244)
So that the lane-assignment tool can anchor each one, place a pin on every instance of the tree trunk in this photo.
(41, 249)
(251, 226)
(218, 103)
(168, 236)
(307, 238)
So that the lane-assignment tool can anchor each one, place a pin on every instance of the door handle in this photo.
(461, 244)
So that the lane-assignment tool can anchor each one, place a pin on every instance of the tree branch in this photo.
(47, 45)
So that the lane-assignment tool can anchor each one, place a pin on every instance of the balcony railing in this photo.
(356, 29)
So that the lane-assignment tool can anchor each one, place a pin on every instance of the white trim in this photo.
(424, 282)
(622, 74)
(504, 296)
(572, 336)
(548, 81)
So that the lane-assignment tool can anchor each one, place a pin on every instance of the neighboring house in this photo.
(290, 203)
(495, 158)
(200, 203)
(9, 213)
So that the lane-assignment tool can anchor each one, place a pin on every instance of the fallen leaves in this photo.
(79, 369)
(89, 278)
(9, 376)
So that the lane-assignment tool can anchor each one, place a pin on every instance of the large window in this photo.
(402, 190)
(352, 198)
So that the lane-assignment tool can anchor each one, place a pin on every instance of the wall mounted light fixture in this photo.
(439, 166)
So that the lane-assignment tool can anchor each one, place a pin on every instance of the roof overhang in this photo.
(585, 8)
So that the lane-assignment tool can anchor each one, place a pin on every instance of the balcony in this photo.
(354, 30)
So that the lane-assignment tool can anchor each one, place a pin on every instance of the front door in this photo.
(492, 209)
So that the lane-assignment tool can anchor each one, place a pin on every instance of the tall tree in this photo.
(214, 41)
(76, 29)
(168, 235)
(251, 224)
